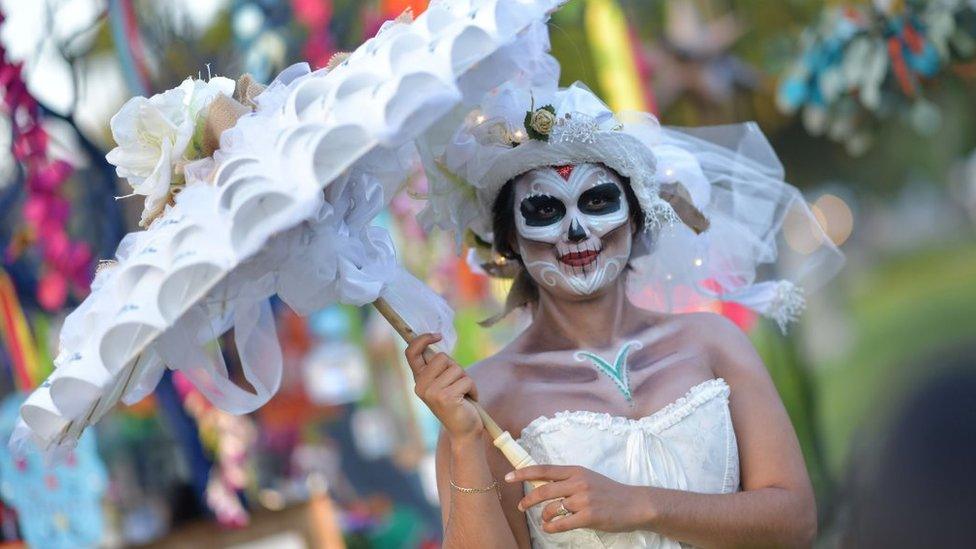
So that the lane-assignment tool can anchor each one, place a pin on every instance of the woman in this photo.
(654, 428)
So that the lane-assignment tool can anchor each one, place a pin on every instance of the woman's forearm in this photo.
(767, 517)
(475, 520)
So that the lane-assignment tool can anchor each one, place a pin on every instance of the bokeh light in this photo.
(835, 216)
(801, 234)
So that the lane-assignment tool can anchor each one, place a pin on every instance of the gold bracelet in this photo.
(489, 488)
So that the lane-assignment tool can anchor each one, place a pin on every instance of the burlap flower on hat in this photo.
(539, 122)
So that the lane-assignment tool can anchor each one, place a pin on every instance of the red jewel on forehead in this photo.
(564, 171)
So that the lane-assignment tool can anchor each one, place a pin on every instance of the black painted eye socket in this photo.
(600, 200)
(541, 210)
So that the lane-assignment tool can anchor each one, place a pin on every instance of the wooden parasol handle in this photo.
(515, 454)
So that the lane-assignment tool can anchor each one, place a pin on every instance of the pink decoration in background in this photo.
(316, 15)
(52, 290)
(66, 264)
(373, 18)
(743, 317)
(644, 70)
(234, 436)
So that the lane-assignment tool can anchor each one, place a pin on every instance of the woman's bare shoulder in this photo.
(729, 349)
(492, 374)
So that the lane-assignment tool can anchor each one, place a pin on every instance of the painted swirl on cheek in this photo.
(602, 261)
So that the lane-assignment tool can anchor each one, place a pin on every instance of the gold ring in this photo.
(563, 511)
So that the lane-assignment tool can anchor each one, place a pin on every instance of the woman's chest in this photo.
(629, 386)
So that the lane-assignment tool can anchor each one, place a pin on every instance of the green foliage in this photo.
(470, 335)
(570, 47)
(902, 311)
(794, 381)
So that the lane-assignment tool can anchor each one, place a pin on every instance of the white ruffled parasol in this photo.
(284, 207)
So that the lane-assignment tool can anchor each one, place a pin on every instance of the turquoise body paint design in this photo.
(616, 371)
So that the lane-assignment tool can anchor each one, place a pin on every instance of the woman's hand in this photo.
(442, 384)
(593, 500)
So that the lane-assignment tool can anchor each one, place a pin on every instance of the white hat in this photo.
(502, 139)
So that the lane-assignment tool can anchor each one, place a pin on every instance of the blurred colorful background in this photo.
(869, 104)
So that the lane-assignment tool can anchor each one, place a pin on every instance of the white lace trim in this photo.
(788, 304)
(658, 214)
(575, 128)
(657, 422)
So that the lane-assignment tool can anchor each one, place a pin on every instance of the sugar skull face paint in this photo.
(573, 226)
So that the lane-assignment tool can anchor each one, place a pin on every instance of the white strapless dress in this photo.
(688, 445)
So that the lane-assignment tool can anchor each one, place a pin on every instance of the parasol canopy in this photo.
(284, 207)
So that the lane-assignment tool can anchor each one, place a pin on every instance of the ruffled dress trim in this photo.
(657, 422)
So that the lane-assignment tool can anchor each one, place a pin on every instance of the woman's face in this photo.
(573, 228)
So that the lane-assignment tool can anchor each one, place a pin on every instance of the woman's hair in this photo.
(524, 290)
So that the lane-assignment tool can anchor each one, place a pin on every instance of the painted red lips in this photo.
(579, 259)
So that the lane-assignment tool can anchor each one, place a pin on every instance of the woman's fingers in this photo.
(546, 492)
(437, 378)
(578, 519)
(471, 391)
(446, 376)
(415, 351)
(553, 509)
(438, 366)
(441, 383)
(461, 387)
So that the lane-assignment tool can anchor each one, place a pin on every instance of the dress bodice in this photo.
(688, 445)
